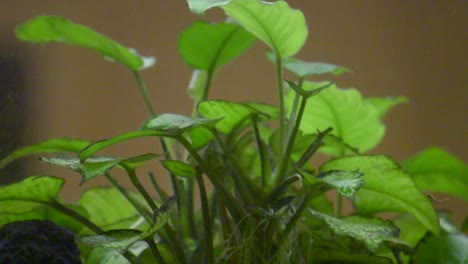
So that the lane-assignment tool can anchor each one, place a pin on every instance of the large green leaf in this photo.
(436, 170)
(387, 188)
(200, 6)
(230, 114)
(303, 68)
(280, 27)
(48, 213)
(371, 232)
(101, 204)
(52, 145)
(206, 46)
(352, 119)
(44, 29)
(28, 194)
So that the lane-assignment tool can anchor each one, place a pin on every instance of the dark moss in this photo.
(37, 241)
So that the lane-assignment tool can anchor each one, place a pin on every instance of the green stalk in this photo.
(245, 185)
(290, 225)
(154, 249)
(262, 152)
(83, 220)
(161, 193)
(282, 115)
(143, 212)
(208, 239)
(137, 184)
(312, 148)
(284, 162)
(144, 93)
(230, 202)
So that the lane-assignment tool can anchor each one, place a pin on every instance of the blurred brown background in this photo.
(413, 48)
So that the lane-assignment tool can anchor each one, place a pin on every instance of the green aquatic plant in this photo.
(267, 203)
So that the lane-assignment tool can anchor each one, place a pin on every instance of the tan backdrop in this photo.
(413, 48)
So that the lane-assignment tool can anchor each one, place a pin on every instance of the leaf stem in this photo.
(144, 93)
(208, 239)
(83, 220)
(154, 249)
(137, 184)
(282, 115)
(339, 205)
(284, 162)
(230, 202)
(143, 212)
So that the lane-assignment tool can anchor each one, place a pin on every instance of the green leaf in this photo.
(118, 239)
(179, 168)
(435, 170)
(331, 255)
(44, 29)
(321, 204)
(352, 119)
(28, 194)
(372, 232)
(384, 104)
(105, 256)
(387, 188)
(276, 24)
(137, 161)
(230, 114)
(447, 248)
(92, 168)
(101, 204)
(411, 231)
(97, 146)
(199, 137)
(200, 6)
(206, 46)
(303, 69)
(269, 110)
(124, 238)
(51, 145)
(175, 124)
(345, 182)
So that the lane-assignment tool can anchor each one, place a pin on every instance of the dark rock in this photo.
(37, 241)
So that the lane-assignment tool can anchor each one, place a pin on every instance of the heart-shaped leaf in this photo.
(56, 145)
(101, 206)
(436, 170)
(371, 232)
(206, 46)
(303, 69)
(28, 194)
(276, 24)
(352, 119)
(387, 188)
(230, 114)
(44, 29)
